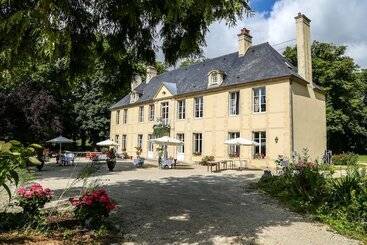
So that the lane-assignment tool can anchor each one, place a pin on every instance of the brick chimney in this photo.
(244, 41)
(303, 37)
(150, 73)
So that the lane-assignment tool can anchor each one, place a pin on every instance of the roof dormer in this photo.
(215, 78)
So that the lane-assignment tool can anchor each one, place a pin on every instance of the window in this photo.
(259, 99)
(141, 114)
(181, 148)
(151, 112)
(140, 140)
(214, 78)
(234, 103)
(164, 112)
(117, 139)
(123, 142)
(124, 117)
(181, 109)
(234, 150)
(198, 107)
(118, 117)
(198, 144)
(150, 144)
(260, 150)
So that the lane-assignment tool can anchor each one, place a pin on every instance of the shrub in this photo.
(92, 207)
(204, 161)
(33, 198)
(345, 159)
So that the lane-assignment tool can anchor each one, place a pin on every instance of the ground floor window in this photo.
(123, 142)
(181, 148)
(233, 150)
(198, 144)
(150, 144)
(117, 139)
(140, 141)
(260, 150)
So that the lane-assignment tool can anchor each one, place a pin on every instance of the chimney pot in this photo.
(244, 41)
(303, 37)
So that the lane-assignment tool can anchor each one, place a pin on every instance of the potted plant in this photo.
(139, 161)
(111, 159)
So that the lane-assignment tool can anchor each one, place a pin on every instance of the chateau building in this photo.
(254, 93)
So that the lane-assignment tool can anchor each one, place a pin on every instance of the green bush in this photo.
(345, 159)
(340, 202)
(204, 161)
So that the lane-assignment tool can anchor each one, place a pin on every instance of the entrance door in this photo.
(181, 148)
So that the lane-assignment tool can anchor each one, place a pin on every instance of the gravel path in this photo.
(190, 205)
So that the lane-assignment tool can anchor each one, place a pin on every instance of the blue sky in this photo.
(262, 5)
(341, 22)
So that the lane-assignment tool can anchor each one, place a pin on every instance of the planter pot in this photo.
(111, 164)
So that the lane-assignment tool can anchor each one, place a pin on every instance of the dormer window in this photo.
(215, 78)
(134, 96)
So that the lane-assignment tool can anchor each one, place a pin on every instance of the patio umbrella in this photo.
(107, 143)
(165, 141)
(239, 142)
(60, 140)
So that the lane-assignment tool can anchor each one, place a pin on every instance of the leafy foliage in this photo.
(14, 157)
(346, 90)
(345, 159)
(309, 188)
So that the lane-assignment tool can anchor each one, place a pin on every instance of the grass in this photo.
(362, 159)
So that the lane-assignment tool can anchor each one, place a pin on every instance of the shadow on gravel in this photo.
(196, 209)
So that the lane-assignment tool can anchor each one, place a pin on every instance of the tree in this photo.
(346, 88)
(190, 61)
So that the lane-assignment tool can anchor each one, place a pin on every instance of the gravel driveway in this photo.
(189, 205)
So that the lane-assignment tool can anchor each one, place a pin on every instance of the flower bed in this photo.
(92, 207)
(33, 198)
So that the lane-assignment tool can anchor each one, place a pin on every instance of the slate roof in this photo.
(260, 62)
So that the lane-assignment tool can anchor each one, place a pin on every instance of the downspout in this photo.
(291, 117)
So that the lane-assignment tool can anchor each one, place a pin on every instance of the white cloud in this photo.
(340, 22)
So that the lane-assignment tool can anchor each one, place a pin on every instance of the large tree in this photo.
(346, 88)
(81, 55)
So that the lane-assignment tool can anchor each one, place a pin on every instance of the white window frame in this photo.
(150, 144)
(140, 141)
(181, 109)
(118, 117)
(199, 107)
(123, 142)
(198, 143)
(151, 112)
(181, 137)
(259, 95)
(165, 112)
(258, 151)
(234, 149)
(141, 114)
(234, 103)
(124, 117)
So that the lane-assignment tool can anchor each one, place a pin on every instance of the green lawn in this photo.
(363, 159)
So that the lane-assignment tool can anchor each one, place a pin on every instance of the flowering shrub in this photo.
(33, 198)
(92, 206)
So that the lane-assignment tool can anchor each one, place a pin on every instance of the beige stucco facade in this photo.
(294, 119)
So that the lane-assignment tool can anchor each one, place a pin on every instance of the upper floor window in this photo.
(164, 112)
(181, 109)
(260, 150)
(259, 99)
(141, 113)
(234, 103)
(198, 107)
(198, 143)
(124, 117)
(118, 117)
(151, 112)
(215, 77)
